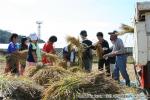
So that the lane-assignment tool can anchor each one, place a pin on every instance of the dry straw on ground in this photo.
(72, 86)
(30, 71)
(19, 88)
(62, 89)
(49, 75)
(75, 69)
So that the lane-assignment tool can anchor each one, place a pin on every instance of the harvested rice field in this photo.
(57, 83)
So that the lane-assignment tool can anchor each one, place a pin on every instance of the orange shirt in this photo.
(48, 47)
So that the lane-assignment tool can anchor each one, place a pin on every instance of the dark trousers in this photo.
(101, 63)
(87, 64)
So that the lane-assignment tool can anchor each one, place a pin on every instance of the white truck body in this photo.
(141, 50)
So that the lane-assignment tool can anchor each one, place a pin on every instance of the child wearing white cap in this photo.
(34, 53)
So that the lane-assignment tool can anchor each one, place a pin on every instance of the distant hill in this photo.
(5, 35)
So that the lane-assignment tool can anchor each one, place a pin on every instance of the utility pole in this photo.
(39, 28)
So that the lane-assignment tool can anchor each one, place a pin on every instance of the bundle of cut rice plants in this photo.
(76, 42)
(69, 88)
(19, 89)
(99, 50)
(20, 55)
(64, 89)
(23, 54)
(125, 29)
(75, 69)
(52, 57)
(50, 74)
(100, 84)
(73, 41)
(62, 63)
(30, 71)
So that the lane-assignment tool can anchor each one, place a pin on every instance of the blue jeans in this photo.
(121, 66)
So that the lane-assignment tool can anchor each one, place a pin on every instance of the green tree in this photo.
(5, 35)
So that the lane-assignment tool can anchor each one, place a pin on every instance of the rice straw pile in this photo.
(62, 63)
(12, 88)
(64, 89)
(30, 71)
(49, 75)
(72, 86)
(75, 69)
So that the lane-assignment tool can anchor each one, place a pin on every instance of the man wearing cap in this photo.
(119, 52)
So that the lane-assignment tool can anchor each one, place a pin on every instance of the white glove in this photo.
(105, 48)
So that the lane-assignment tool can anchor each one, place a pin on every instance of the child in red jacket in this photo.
(49, 48)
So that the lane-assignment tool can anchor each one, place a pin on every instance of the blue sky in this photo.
(67, 17)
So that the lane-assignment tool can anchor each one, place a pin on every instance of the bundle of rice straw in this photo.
(76, 42)
(75, 69)
(99, 50)
(12, 88)
(63, 89)
(23, 54)
(20, 55)
(73, 40)
(69, 88)
(30, 71)
(50, 74)
(62, 63)
(52, 57)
